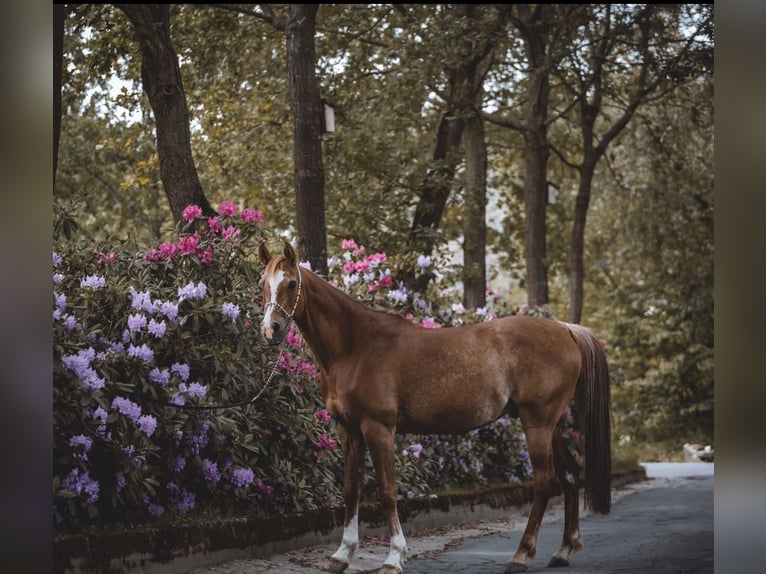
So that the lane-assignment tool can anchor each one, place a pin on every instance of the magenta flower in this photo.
(227, 208)
(192, 212)
(252, 215)
(326, 442)
(322, 415)
(348, 244)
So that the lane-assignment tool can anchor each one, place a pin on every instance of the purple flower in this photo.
(70, 322)
(100, 415)
(424, 261)
(142, 301)
(79, 364)
(210, 471)
(56, 260)
(195, 390)
(141, 352)
(81, 484)
(416, 449)
(242, 477)
(398, 295)
(58, 278)
(136, 322)
(147, 424)
(127, 408)
(177, 464)
(159, 377)
(230, 310)
(180, 497)
(191, 291)
(119, 480)
(169, 309)
(157, 329)
(180, 369)
(93, 282)
(60, 301)
(81, 445)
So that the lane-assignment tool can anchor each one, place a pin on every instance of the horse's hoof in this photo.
(512, 567)
(388, 569)
(335, 566)
(557, 561)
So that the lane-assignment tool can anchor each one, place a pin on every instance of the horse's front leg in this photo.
(353, 473)
(380, 441)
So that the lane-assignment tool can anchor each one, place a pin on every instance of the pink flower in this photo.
(192, 212)
(348, 244)
(206, 256)
(322, 415)
(429, 323)
(168, 250)
(230, 233)
(293, 339)
(215, 225)
(386, 281)
(349, 267)
(326, 442)
(227, 208)
(188, 244)
(252, 215)
(372, 287)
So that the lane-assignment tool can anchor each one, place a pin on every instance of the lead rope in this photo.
(273, 372)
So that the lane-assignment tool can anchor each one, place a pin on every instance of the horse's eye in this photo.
(291, 284)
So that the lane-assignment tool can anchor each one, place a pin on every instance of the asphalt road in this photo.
(666, 529)
(663, 526)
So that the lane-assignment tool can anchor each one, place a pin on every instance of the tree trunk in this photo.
(161, 77)
(577, 248)
(306, 107)
(536, 152)
(58, 63)
(474, 219)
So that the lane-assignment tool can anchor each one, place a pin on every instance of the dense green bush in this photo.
(139, 334)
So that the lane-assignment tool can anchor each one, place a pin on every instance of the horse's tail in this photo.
(592, 401)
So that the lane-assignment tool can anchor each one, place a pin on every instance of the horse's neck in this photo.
(329, 321)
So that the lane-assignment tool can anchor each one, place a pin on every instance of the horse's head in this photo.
(281, 283)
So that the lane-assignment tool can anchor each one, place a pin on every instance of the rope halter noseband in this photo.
(281, 309)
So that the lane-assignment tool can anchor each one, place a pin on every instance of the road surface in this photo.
(663, 525)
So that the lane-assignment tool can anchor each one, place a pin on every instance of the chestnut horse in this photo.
(381, 374)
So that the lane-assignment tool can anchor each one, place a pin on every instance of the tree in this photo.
(463, 86)
(306, 107)
(543, 28)
(162, 83)
(58, 62)
(610, 41)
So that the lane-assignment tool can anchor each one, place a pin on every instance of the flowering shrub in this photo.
(141, 339)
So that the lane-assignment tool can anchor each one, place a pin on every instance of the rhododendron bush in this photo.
(143, 337)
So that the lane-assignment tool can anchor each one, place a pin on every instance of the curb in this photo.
(174, 549)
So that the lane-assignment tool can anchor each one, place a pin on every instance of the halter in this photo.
(266, 384)
(281, 309)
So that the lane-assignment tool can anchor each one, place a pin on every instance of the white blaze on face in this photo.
(274, 282)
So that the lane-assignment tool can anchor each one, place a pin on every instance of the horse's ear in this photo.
(290, 254)
(263, 253)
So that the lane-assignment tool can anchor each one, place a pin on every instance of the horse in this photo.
(381, 374)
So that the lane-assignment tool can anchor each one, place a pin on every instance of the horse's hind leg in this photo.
(568, 472)
(353, 470)
(541, 456)
(380, 441)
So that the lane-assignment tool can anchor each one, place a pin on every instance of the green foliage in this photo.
(140, 333)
